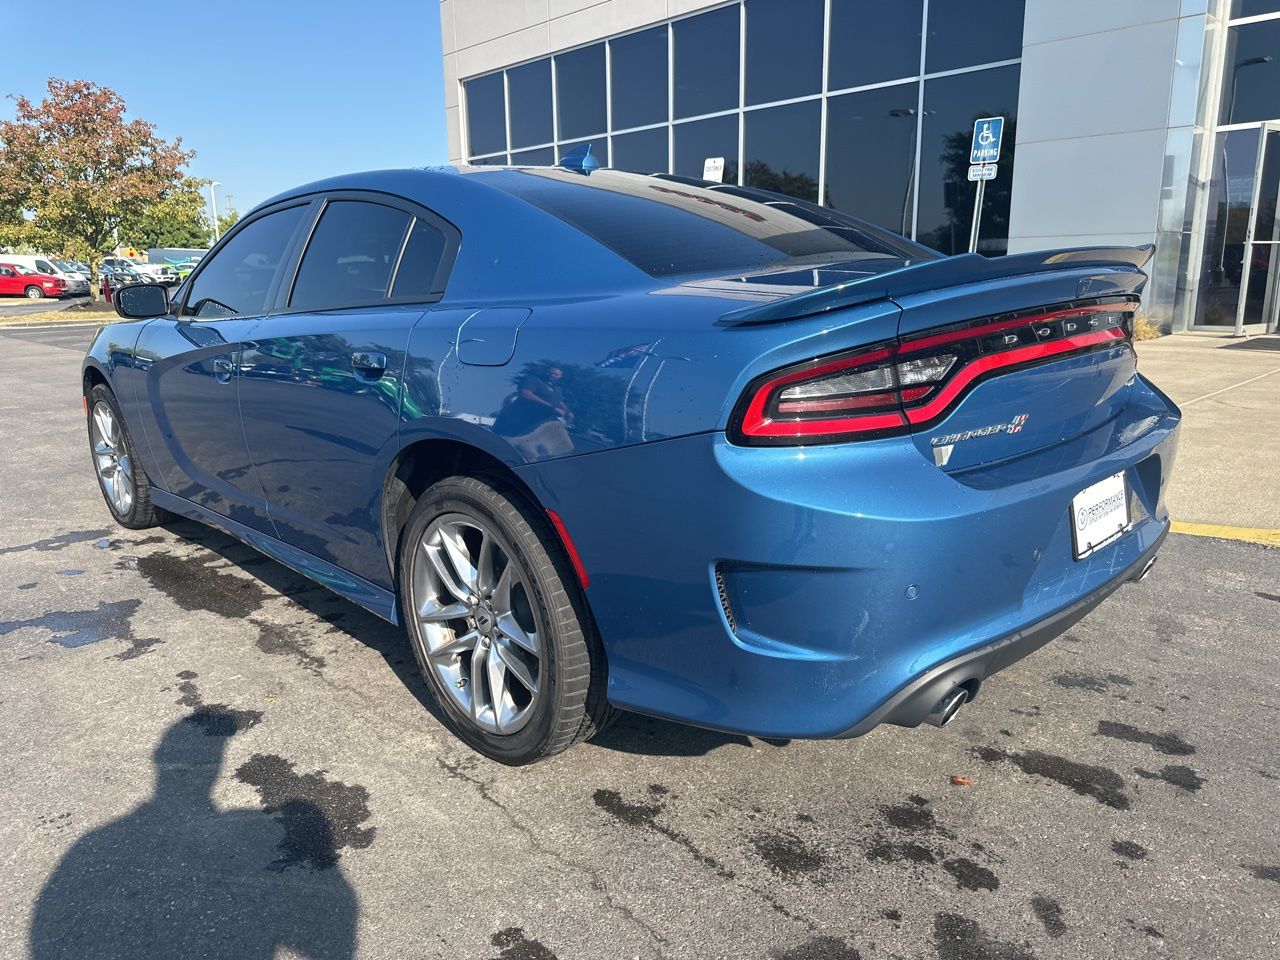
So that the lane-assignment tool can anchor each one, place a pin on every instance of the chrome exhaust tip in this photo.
(945, 710)
(1145, 570)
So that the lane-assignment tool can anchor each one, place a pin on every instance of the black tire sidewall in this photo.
(482, 500)
(135, 518)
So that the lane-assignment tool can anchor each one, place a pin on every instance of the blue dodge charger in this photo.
(605, 441)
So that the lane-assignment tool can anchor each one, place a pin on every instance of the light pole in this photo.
(213, 202)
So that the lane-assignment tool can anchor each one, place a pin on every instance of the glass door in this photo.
(1259, 305)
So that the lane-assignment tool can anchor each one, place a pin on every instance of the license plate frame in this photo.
(1089, 533)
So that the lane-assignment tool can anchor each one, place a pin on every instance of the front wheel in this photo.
(34, 293)
(123, 484)
(498, 623)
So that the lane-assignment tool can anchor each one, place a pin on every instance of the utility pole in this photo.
(213, 202)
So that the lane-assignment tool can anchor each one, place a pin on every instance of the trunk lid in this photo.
(1048, 357)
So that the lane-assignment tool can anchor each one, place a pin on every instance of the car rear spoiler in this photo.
(933, 275)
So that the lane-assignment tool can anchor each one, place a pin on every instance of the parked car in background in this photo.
(606, 441)
(113, 278)
(163, 273)
(77, 284)
(137, 267)
(19, 281)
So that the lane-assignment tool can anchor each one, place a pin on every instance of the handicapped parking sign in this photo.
(987, 134)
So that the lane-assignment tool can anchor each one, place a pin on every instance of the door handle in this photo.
(363, 361)
(222, 369)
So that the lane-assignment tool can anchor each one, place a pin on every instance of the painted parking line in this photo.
(1269, 538)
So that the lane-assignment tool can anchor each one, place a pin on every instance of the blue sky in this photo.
(268, 94)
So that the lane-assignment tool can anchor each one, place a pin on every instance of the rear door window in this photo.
(420, 264)
(349, 260)
(237, 281)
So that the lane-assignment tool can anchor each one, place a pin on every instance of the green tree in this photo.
(227, 220)
(177, 219)
(78, 171)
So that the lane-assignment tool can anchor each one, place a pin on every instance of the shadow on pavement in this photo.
(178, 877)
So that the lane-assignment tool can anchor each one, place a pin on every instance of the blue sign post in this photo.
(984, 153)
(987, 134)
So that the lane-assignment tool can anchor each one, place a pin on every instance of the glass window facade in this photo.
(784, 49)
(873, 41)
(639, 80)
(529, 90)
(706, 62)
(882, 134)
(1251, 84)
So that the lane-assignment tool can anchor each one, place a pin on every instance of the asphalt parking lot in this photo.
(204, 754)
(18, 307)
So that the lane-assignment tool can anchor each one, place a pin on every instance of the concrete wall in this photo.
(481, 36)
(1097, 96)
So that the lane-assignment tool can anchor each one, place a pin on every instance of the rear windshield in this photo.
(668, 225)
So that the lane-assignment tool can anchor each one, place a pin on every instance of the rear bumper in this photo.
(813, 593)
(912, 704)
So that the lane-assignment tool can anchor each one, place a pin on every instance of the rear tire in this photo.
(518, 671)
(121, 479)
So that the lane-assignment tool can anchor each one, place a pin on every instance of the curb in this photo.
(1259, 535)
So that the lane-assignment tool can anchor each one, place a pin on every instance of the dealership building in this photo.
(1125, 121)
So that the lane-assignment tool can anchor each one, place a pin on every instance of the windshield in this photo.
(668, 225)
(24, 269)
(64, 265)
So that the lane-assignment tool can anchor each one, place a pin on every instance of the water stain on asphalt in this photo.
(891, 914)
(1268, 596)
(215, 719)
(320, 816)
(59, 542)
(1049, 912)
(1184, 778)
(969, 875)
(645, 816)
(790, 856)
(1261, 872)
(1085, 681)
(78, 628)
(27, 586)
(818, 948)
(913, 817)
(282, 640)
(516, 946)
(959, 938)
(1129, 850)
(1103, 784)
(1167, 743)
(194, 582)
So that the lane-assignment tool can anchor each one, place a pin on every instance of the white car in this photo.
(77, 283)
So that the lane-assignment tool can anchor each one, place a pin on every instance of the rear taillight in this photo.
(892, 388)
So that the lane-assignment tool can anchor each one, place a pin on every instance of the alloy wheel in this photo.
(477, 625)
(111, 457)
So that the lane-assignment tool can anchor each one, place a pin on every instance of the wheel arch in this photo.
(423, 462)
(92, 376)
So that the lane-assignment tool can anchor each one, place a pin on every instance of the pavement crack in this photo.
(457, 771)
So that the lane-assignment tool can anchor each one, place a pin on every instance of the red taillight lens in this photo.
(893, 388)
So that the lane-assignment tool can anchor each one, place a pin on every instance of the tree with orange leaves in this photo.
(73, 169)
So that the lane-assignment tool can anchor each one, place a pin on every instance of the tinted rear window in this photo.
(668, 226)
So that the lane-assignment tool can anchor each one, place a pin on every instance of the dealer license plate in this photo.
(1099, 514)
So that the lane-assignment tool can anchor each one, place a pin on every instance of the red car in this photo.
(13, 280)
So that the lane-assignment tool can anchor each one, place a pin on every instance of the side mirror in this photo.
(141, 301)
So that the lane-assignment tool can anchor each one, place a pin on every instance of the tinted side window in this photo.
(349, 259)
(415, 277)
(238, 278)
